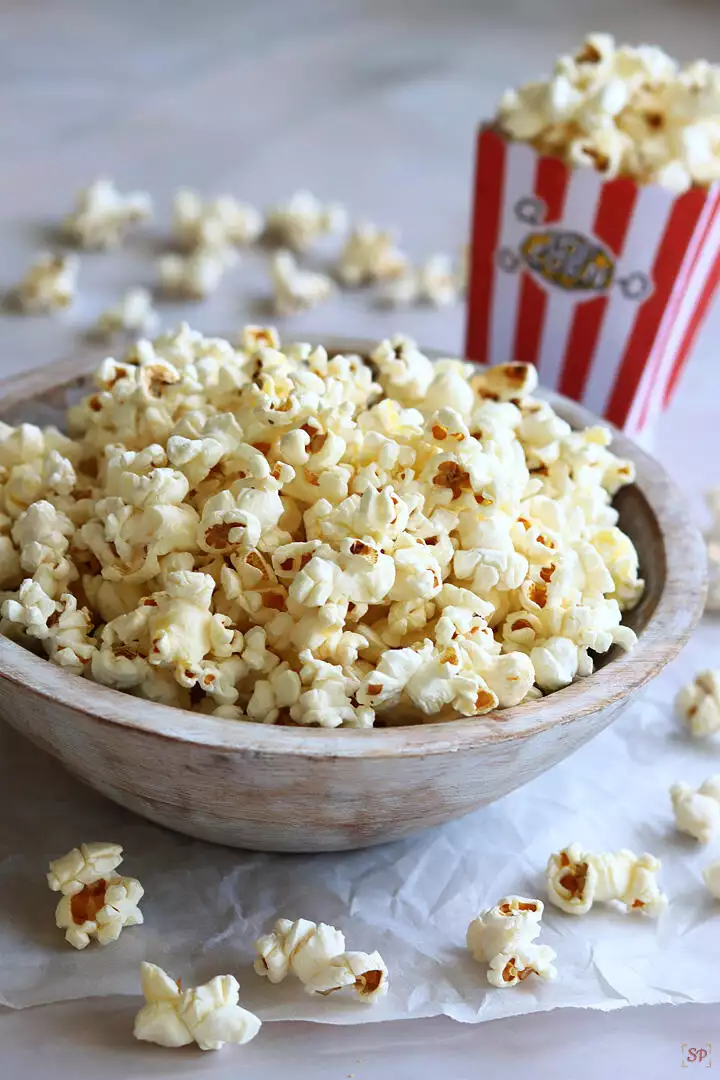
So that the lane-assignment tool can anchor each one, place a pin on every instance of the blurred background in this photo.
(373, 103)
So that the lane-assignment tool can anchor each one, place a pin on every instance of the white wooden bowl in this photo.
(289, 789)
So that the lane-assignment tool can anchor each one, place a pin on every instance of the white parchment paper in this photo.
(412, 900)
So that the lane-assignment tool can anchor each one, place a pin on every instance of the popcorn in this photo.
(48, 285)
(265, 532)
(434, 283)
(303, 219)
(370, 255)
(134, 314)
(103, 215)
(297, 289)
(196, 275)
(316, 954)
(504, 936)
(576, 879)
(215, 223)
(625, 111)
(711, 877)
(96, 902)
(208, 1015)
(699, 704)
(697, 812)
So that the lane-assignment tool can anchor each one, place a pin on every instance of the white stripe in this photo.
(689, 287)
(647, 229)
(581, 202)
(519, 184)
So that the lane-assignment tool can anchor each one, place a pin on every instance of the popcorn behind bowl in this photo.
(302, 789)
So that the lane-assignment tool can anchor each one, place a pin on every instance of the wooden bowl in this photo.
(288, 789)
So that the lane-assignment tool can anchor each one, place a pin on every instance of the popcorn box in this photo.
(602, 284)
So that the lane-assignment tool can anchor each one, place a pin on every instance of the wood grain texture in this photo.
(284, 789)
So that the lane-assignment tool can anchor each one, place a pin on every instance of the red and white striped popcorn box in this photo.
(602, 284)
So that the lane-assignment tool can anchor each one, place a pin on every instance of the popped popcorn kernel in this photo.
(698, 704)
(195, 276)
(214, 223)
(504, 938)
(297, 289)
(134, 314)
(48, 285)
(96, 903)
(209, 1015)
(302, 219)
(576, 879)
(697, 812)
(103, 215)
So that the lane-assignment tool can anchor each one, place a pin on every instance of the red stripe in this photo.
(551, 180)
(683, 285)
(487, 214)
(668, 260)
(701, 310)
(611, 225)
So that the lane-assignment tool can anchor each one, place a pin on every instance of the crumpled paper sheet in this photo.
(412, 900)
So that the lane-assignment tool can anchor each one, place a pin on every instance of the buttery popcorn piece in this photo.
(302, 219)
(48, 285)
(435, 282)
(504, 936)
(509, 968)
(103, 215)
(208, 1015)
(96, 902)
(697, 813)
(625, 111)
(370, 255)
(315, 953)
(134, 314)
(215, 222)
(699, 704)
(195, 276)
(296, 289)
(577, 878)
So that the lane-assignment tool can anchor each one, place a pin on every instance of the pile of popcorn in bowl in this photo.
(269, 533)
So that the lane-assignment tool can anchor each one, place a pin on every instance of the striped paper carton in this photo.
(601, 284)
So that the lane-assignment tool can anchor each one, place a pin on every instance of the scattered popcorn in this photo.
(577, 878)
(96, 902)
(134, 314)
(215, 223)
(699, 704)
(208, 1015)
(625, 111)
(103, 215)
(195, 276)
(271, 533)
(370, 255)
(697, 812)
(297, 289)
(315, 953)
(503, 938)
(711, 876)
(303, 219)
(48, 285)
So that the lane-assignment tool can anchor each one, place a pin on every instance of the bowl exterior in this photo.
(278, 802)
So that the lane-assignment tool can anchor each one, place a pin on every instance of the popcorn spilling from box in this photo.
(596, 237)
(296, 538)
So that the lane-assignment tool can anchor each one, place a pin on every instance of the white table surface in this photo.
(373, 103)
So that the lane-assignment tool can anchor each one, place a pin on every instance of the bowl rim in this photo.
(678, 609)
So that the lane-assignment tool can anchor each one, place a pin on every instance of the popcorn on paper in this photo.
(315, 953)
(209, 1015)
(103, 215)
(134, 314)
(697, 812)
(314, 540)
(576, 879)
(96, 902)
(48, 285)
(698, 704)
(504, 938)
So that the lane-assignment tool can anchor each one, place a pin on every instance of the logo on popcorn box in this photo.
(567, 259)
